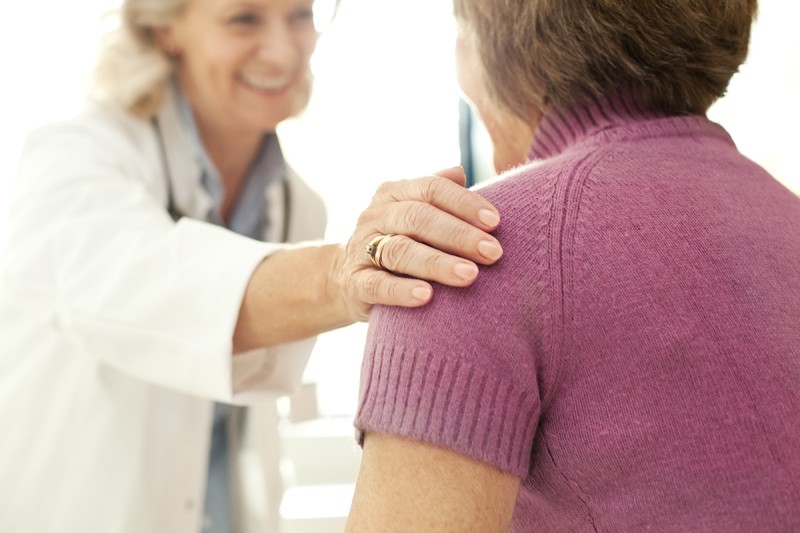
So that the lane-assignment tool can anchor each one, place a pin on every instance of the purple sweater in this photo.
(635, 356)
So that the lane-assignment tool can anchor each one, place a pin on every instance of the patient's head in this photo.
(677, 56)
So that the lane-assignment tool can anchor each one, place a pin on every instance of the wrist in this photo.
(335, 285)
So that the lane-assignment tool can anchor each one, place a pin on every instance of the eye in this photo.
(302, 16)
(244, 19)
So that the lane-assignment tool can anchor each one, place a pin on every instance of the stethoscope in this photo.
(172, 209)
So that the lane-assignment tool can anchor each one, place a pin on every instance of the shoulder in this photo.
(97, 141)
(536, 201)
(102, 126)
(528, 184)
(539, 187)
(427, 370)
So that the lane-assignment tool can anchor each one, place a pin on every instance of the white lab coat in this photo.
(115, 333)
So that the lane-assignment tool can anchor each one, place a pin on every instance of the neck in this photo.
(511, 138)
(230, 147)
(232, 153)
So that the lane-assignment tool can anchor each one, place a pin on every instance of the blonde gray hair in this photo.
(132, 70)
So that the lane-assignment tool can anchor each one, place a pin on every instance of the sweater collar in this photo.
(561, 128)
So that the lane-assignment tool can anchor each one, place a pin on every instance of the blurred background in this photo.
(386, 106)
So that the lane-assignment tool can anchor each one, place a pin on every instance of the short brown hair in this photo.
(677, 55)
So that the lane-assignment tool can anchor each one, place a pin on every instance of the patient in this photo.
(633, 361)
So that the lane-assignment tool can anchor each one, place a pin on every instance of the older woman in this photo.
(135, 270)
(633, 361)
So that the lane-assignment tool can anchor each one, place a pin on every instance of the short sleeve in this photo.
(458, 373)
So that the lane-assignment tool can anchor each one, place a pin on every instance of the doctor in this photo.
(148, 282)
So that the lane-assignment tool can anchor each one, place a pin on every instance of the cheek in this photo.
(209, 63)
(470, 78)
(467, 71)
(461, 75)
(306, 46)
(302, 93)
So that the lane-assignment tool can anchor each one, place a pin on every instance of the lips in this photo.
(265, 83)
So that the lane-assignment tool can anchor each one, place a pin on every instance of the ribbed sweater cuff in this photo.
(445, 401)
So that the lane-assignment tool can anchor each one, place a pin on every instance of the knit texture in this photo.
(635, 355)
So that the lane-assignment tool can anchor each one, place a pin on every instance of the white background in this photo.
(384, 108)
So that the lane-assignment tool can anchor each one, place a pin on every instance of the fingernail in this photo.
(466, 271)
(423, 294)
(490, 250)
(488, 217)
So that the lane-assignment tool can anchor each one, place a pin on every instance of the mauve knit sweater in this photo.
(635, 356)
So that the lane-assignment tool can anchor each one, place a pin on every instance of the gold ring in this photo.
(375, 250)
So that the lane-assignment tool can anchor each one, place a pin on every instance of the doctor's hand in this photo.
(418, 230)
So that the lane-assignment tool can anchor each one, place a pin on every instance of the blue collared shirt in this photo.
(248, 217)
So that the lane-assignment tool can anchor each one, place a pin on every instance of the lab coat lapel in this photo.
(184, 172)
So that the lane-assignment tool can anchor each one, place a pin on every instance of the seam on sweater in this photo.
(573, 196)
(578, 493)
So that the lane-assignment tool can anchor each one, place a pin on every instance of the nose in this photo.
(279, 46)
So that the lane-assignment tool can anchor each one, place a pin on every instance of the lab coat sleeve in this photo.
(155, 299)
(278, 370)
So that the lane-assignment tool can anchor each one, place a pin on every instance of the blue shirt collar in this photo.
(249, 215)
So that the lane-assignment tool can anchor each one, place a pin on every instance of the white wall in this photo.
(383, 109)
(46, 51)
(762, 108)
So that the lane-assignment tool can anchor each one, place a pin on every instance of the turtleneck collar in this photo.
(561, 128)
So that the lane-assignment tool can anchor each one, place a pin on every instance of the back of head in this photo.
(132, 70)
(675, 56)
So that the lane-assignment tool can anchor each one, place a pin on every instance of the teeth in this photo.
(265, 83)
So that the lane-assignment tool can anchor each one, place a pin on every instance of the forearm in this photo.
(291, 296)
(439, 234)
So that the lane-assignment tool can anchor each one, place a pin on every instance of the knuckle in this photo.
(371, 287)
(396, 253)
(434, 265)
(430, 188)
(386, 191)
(465, 237)
(392, 291)
(383, 188)
(417, 216)
(365, 217)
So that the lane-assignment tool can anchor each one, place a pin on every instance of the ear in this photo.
(164, 37)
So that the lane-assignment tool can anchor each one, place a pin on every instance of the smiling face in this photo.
(243, 64)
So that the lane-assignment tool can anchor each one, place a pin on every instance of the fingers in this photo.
(406, 256)
(436, 228)
(443, 194)
(439, 232)
(369, 285)
(383, 288)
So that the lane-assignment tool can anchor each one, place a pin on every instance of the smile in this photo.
(265, 83)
